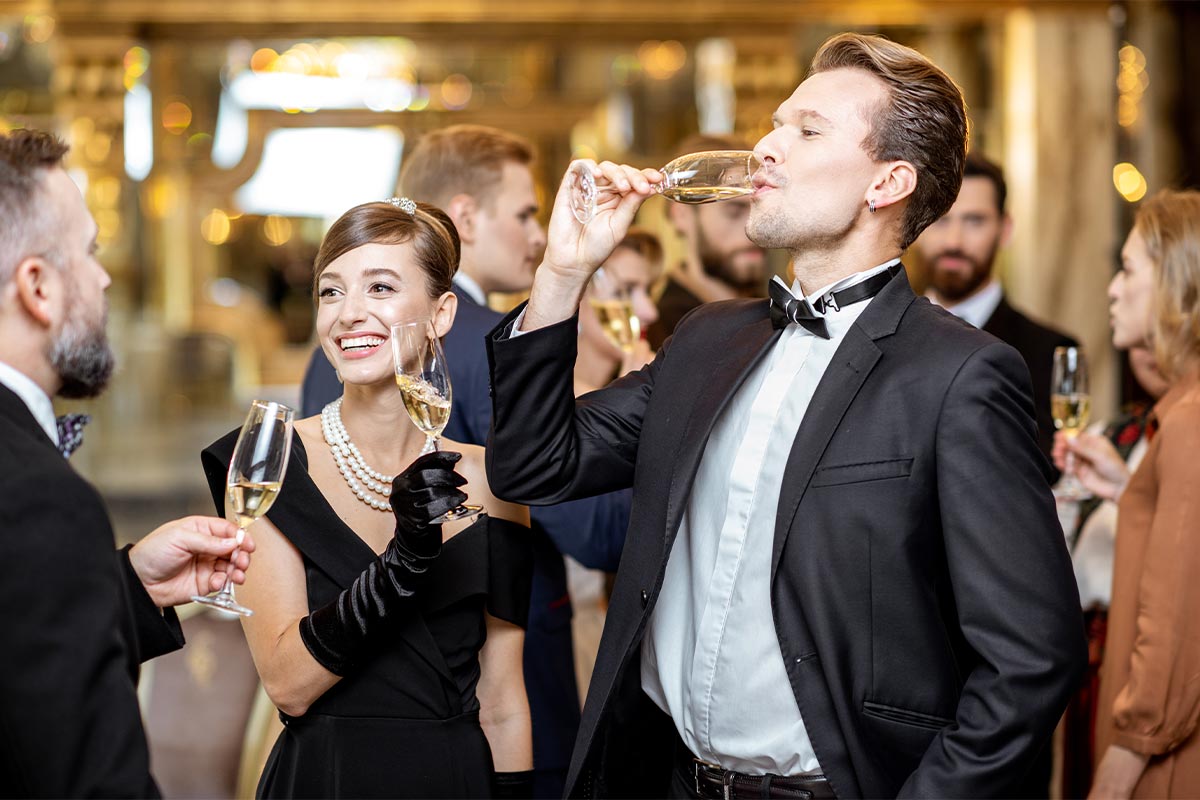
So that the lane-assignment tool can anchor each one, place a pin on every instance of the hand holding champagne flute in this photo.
(1070, 405)
(255, 479)
(424, 384)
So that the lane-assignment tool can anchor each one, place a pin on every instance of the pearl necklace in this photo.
(350, 461)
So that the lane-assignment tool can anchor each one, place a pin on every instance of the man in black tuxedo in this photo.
(960, 250)
(844, 575)
(78, 618)
(481, 177)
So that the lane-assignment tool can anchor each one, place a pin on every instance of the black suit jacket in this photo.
(922, 594)
(76, 624)
(1036, 345)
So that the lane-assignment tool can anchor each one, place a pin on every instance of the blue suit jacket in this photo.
(591, 530)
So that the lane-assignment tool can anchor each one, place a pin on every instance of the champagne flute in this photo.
(254, 480)
(1070, 405)
(424, 384)
(609, 298)
(704, 177)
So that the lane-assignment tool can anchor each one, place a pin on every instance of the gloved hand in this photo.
(339, 635)
(423, 492)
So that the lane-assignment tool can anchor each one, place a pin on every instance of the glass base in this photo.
(583, 194)
(1071, 491)
(223, 602)
(462, 512)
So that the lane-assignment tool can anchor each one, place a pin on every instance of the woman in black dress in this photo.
(391, 646)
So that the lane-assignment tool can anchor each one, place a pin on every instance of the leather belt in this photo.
(710, 781)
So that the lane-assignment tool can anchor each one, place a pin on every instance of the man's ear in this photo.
(893, 185)
(462, 210)
(1006, 226)
(39, 286)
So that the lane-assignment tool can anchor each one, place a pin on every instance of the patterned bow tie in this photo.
(787, 308)
(70, 432)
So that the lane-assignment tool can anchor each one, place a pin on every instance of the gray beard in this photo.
(82, 360)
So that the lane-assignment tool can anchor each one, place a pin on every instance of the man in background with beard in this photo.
(720, 263)
(78, 618)
(959, 251)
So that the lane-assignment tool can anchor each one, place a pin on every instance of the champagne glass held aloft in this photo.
(609, 298)
(703, 177)
(254, 480)
(1070, 405)
(424, 384)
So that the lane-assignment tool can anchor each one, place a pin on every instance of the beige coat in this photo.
(1150, 683)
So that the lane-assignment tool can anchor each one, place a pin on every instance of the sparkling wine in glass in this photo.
(614, 307)
(1070, 406)
(254, 480)
(704, 177)
(424, 384)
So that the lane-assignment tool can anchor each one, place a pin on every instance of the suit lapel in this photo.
(751, 343)
(845, 375)
(843, 378)
(13, 407)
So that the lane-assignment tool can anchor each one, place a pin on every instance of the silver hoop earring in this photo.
(871, 205)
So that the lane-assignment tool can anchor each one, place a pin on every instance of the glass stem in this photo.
(226, 592)
(430, 446)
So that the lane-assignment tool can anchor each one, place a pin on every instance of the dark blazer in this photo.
(591, 530)
(76, 624)
(922, 593)
(1036, 345)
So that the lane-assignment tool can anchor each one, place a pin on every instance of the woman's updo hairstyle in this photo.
(397, 221)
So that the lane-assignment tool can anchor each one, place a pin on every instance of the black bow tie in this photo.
(786, 308)
(70, 432)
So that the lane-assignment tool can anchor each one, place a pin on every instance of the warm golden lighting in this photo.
(98, 147)
(276, 230)
(420, 100)
(137, 61)
(517, 92)
(176, 117)
(39, 28)
(1132, 82)
(159, 198)
(456, 91)
(108, 224)
(105, 191)
(662, 59)
(263, 59)
(1129, 181)
(215, 227)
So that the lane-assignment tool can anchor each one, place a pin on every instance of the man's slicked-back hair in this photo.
(29, 225)
(923, 121)
(461, 159)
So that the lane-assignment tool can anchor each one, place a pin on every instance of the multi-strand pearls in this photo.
(375, 488)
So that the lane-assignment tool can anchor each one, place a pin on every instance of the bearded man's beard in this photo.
(82, 358)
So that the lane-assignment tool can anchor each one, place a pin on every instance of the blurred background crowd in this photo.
(216, 142)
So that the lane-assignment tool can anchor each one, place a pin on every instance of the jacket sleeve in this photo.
(69, 719)
(1010, 574)
(545, 446)
(149, 630)
(1157, 709)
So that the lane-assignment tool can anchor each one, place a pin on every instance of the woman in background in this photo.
(390, 645)
(1150, 682)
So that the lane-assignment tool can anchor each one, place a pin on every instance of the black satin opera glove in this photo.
(340, 634)
(515, 785)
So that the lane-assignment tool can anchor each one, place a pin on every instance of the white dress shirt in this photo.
(711, 657)
(979, 307)
(32, 395)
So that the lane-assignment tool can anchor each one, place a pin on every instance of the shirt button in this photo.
(645, 598)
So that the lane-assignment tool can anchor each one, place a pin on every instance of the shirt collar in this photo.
(465, 283)
(979, 307)
(35, 399)
(839, 319)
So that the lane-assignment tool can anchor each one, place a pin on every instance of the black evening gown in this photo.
(405, 723)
